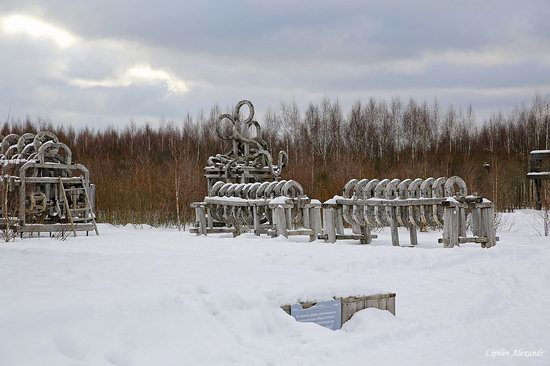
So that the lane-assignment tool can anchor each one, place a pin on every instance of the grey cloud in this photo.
(296, 29)
(268, 51)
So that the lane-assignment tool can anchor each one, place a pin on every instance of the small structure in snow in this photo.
(334, 313)
(537, 172)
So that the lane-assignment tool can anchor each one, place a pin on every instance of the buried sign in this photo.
(325, 313)
(333, 313)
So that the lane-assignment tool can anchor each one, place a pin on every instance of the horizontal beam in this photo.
(251, 202)
(472, 239)
(214, 230)
(539, 175)
(52, 180)
(406, 202)
(52, 228)
(387, 202)
(346, 236)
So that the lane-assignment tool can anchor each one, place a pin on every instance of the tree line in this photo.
(150, 175)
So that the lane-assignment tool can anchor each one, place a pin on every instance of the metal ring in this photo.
(238, 108)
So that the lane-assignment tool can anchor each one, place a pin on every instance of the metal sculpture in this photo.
(249, 160)
(436, 203)
(537, 173)
(43, 190)
(272, 208)
(245, 192)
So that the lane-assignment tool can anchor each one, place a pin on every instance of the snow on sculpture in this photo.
(43, 190)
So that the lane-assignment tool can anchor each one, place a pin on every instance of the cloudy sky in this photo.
(105, 62)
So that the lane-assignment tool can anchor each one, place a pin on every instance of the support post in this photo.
(488, 221)
(288, 215)
(281, 227)
(256, 220)
(476, 222)
(366, 235)
(209, 219)
(315, 219)
(339, 220)
(329, 224)
(201, 220)
(462, 222)
(305, 218)
(538, 195)
(355, 228)
(393, 227)
(450, 227)
(413, 235)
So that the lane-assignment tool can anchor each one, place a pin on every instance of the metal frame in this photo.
(434, 203)
(245, 192)
(249, 160)
(44, 190)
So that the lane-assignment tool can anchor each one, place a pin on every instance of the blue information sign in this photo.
(325, 313)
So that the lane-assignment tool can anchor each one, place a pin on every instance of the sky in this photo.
(101, 63)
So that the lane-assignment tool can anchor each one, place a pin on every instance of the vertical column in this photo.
(22, 197)
(201, 219)
(538, 195)
(339, 220)
(413, 235)
(281, 227)
(366, 235)
(288, 215)
(329, 224)
(305, 218)
(488, 222)
(393, 226)
(355, 228)
(315, 219)
(209, 219)
(256, 220)
(450, 227)
(476, 222)
(462, 222)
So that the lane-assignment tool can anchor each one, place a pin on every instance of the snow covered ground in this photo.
(163, 297)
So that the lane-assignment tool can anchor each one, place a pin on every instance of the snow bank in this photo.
(163, 297)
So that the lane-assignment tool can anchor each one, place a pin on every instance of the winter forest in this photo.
(326, 145)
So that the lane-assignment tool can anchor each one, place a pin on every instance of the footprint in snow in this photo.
(69, 347)
(117, 358)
